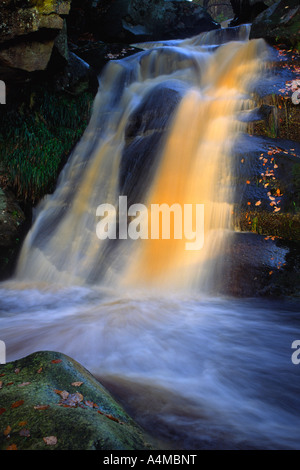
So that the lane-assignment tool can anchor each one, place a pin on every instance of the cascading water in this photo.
(144, 314)
(192, 166)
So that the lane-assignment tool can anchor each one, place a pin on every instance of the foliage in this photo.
(36, 139)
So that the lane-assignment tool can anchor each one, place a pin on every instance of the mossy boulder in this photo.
(49, 401)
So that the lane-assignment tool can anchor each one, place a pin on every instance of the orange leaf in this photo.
(17, 404)
(56, 361)
(12, 447)
(7, 431)
(41, 407)
(22, 423)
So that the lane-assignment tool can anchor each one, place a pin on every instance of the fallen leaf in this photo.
(1, 383)
(17, 404)
(112, 418)
(2, 410)
(17, 371)
(41, 407)
(23, 384)
(24, 433)
(22, 423)
(7, 431)
(63, 393)
(39, 370)
(77, 384)
(50, 440)
(12, 447)
(89, 403)
(56, 361)
(258, 203)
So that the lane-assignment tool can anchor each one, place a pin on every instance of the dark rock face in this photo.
(12, 226)
(246, 10)
(280, 23)
(139, 20)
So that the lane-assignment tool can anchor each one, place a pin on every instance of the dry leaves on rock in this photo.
(50, 440)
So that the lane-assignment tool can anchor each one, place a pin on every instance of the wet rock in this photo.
(13, 222)
(49, 401)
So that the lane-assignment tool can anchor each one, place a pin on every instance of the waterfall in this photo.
(161, 132)
(101, 279)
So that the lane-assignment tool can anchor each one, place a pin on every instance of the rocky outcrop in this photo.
(49, 401)
(139, 20)
(279, 24)
(246, 10)
(28, 31)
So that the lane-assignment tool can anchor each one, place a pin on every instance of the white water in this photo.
(196, 371)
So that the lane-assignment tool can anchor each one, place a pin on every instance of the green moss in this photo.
(286, 226)
(32, 408)
(36, 138)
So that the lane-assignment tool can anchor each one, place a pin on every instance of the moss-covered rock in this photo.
(49, 401)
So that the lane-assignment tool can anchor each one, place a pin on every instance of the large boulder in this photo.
(49, 401)
(279, 24)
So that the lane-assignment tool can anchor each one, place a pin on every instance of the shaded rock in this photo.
(49, 401)
(146, 128)
(246, 10)
(259, 266)
(76, 76)
(13, 222)
(139, 20)
(279, 24)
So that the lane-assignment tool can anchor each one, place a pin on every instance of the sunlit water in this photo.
(195, 370)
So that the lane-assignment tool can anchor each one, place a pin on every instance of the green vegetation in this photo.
(37, 137)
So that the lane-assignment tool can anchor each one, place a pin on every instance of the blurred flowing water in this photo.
(197, 369)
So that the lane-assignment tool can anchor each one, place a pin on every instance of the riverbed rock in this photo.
(50, 401)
